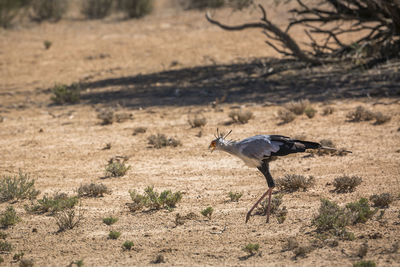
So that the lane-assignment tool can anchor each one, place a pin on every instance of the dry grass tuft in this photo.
(68, 219)
(346, 184)
(360, 114)
(294, 182)
(310, 112)
(328, 110)
(160, 140)
(106, 116)
(139, 130)
(241, 116)
(197, 121)
(381, 119)
(234, 196)
(286, 116)
(93, 190)
(297, 107)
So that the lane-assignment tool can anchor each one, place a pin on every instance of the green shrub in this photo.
(127, 245)
(154, 200)
(360, 211)
(18, 256)
(110, 220)
(9, 217)
(9, 9)
(17, 188)
(5, 246)
(63, 94)
(58, 202)
(207, 212)
(345, 184)
(251, 248)
(136, 8)
(47, 44)
(114, 235)
(96, 9)
(382, 200)
(93, 190)
(51, 10)
(294, 182)
(116, 167)
(234, 197)
(364, 264)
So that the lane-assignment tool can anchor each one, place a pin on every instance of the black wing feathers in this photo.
(290, 146)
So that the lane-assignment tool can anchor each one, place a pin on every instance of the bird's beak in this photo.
(211, 147)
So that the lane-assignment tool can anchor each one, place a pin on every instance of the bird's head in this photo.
(219, 141)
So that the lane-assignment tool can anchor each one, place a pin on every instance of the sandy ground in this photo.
(61, 146)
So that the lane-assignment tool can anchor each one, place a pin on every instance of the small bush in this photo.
(9, 217)
(154, 200)
(291, 244)
(302, 251)
(382, 200)
(123, 116)
(110, 220)
(51, 10)
(68, 219)
(328, 110)
(114, 235)
(286, 116)
(281, 215)
(9, 9)
(96, 9)
(139, 130)
(234, 197)
(380, 118)
(160, 140)
(297, 107)
(251, 248)
(26, 263)
(58, 202)
(207, 212)
(3, 235)
(5, 246)
(241, 116)
(47, 44)
(93, 190)
(159, 259)
(180, 220)
(310, 112)
(136, 8)
(197, 121)
(18, 256)
(116, 167)
(127, 245)
(276, 201)
(345, 184)
(360, 212)
(17, 188)
(63, 94)
(364, 264)
(106, 116)
(294, 182)
(360, 114)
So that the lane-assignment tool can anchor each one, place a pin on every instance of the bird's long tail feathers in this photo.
(308, 144)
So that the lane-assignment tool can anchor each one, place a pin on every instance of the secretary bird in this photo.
(257, 151)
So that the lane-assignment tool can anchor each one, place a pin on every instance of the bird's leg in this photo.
(255, 205)
(269, 202)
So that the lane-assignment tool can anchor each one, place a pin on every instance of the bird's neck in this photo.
(228, 146)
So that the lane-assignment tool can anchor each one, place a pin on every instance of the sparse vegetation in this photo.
(96, 9)
(202, 4)
(241, 116)
(302, 251)
(16, 188)
(297, 107)
(364, 264)
(160, 140)
(360, 114)
(286, 116)
(197, 121)
(114, 235)
(294, 182)
(127, 245)
(345, 184)
(207, 212)
(234, 196)
(68, 219)
(63, 94)
(5, 246)
(154, 200)
(180, 220)
(110, 220)
(310, 112)
(93, 190)
(58, 202)
(139, 130)
(251, 248)
(328, 110)
(276, 201)
(382, 200)
(51, 10)
(9, 9)
(116, 167)
(360, 211)
(381, 118)
(136, 8)
(123, 116)
(106, 116)
(47, 44)
(18, 256)
(26, 263)
(9, 217)
(159, 259)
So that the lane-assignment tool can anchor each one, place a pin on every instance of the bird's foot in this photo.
(248, 216)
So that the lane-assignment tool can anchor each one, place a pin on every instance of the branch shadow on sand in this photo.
(259, 81)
